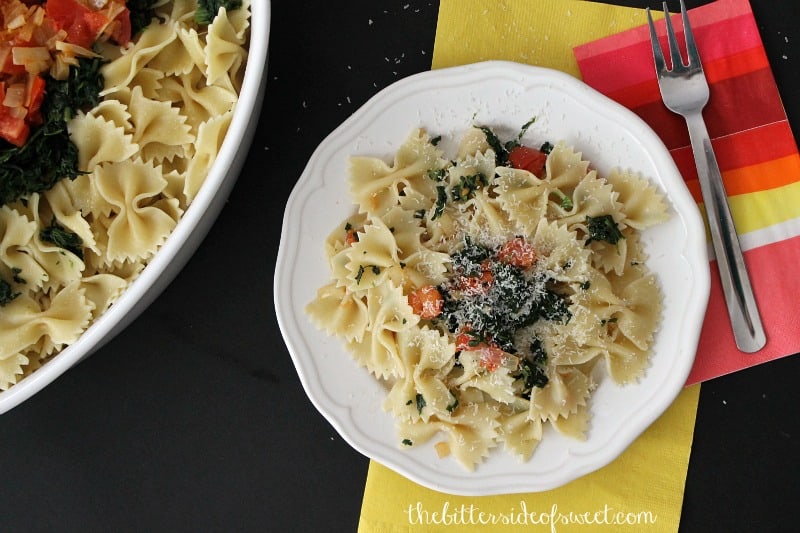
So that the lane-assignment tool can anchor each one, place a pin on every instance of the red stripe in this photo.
(639, 94)
(747, 148)
(736, 104)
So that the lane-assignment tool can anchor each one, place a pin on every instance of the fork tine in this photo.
(674, 50)
(658, 54)
(691, 47)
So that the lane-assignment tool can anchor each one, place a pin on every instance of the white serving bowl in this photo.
(189, 232)
(446, 102)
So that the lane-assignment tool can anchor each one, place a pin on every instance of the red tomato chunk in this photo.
(426, 302)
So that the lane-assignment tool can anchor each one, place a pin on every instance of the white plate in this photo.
(187, 234)
(503, 96)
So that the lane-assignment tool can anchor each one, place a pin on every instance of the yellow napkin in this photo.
(643, 489)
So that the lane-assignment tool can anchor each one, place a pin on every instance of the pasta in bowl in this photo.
(155, 153)
(481, 297)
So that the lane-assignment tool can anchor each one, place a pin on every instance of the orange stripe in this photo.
(736, 64)
(753, 178)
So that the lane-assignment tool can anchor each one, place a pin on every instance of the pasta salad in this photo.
(491, 290)
(160, 80)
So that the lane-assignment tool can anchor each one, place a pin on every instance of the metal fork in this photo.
(684, 90)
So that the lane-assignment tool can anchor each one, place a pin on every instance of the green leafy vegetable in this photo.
(501, 149)
(420, 403)
(7, 294)
(467, 186)
(49, 155)
(514, 299)
(453, 406)
(437, 174)
(141, 14)
(564, 201)
(63, 238)
(207, 9)
(441, 200)
(603, 228)
(532, 369)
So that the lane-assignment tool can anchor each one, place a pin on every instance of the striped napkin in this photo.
(757, 155)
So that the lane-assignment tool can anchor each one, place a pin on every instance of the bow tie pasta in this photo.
(144, 151)
(491, 291)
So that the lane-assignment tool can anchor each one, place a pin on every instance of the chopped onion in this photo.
(15, 95)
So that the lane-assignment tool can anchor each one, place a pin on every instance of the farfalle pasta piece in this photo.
(139, 227)
(638, 318)
(24, 321)
(371, 257)
(624, 360)
(591, 197)
(339, 313)
(99, 141)
(642, 203)
(160, 130)
(210, 135)
(240, 19)
(113, 111)
(523, 196)
(377, 186)
(568, 389)
(199, 102)
(471, 432)
(520, 433)
(560, 252)
(11, 369)
(224, 50)
(101, 290)
(498, 383)
(179, 55)
(565, 168)
(16, 236)
(119, 73)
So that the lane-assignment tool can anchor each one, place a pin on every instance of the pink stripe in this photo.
(631, 64)
(776, 293)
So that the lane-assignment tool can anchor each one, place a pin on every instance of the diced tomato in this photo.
(517, 252)
(530, 159)
(96, 21)
(122, 34)
(69, 15)
(479, 284)
(466, 341)
(351, 237)
(476, 284)
(492, 356)
(13, 129)
(84, 25)
(426, 301)
(35, 97)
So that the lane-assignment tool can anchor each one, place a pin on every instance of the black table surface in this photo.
(194, 419)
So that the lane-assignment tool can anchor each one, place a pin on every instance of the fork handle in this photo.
(742, 309)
